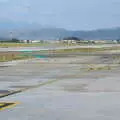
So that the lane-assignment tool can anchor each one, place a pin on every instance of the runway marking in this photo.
(6, 105)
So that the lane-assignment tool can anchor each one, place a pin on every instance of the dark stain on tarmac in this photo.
(4, 91)
(3, 66)
(20, 86)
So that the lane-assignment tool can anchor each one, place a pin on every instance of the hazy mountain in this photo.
(35, 31)
(59, 33)
(102, 34)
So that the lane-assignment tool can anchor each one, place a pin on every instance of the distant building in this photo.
(118, 41)
(26, 41)
(30, 41)
(105, 41)
(100, 41)
(69, 41)
(35, 41)
(72, 40)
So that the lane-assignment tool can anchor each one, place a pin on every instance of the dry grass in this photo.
(82, 50)
(6, 45)
(9, 56)
(100, 67)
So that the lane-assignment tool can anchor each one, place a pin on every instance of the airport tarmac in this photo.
(55, 47)
(60, 89)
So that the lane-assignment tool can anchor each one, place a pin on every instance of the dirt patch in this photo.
(76, 88)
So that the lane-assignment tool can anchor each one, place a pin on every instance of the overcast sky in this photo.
(68, 14)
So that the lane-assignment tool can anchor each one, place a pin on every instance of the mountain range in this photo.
(35, 31)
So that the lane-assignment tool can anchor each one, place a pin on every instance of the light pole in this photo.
(11, 35)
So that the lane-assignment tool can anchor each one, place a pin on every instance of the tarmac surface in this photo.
(60, 88)
(55, 47)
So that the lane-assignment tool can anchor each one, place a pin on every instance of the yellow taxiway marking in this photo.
(5, 105)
